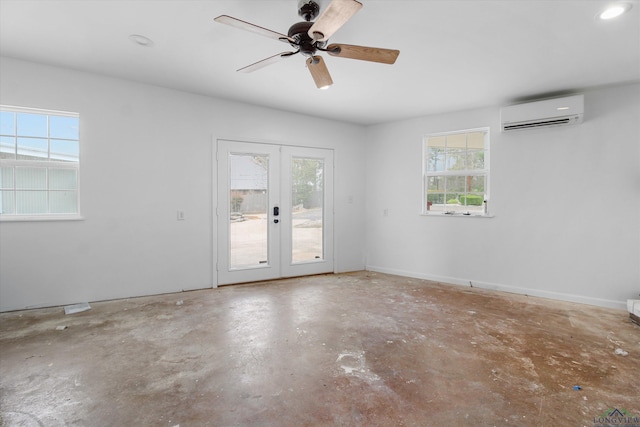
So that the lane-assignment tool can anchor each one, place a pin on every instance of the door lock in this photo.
(276, 212)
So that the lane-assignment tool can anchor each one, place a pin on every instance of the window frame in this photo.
(484, 172)
(48, 164)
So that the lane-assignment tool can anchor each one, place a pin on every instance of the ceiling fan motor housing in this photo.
(300, 33)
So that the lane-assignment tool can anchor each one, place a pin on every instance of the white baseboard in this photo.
(503, 288)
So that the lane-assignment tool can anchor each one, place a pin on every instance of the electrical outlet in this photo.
(180, 215)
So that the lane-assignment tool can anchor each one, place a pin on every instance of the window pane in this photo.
(435, 184)
(455, 160)
(307, 209)
(437, 142)
(7, 123)
(454, 189)
(435, 159)
(31, 202)
(63, 202)
(64, 151)
(472, 199)
(31, 178)
(435, 193)
(62, 179)
(436, 198)
(32, 125)
(475, 140)
(475, 159)
(7, 147)
(476, 184)
(457, 141)
(7, 206)
(63, 127)
(6, 177)
(32, 149)
(455, 185)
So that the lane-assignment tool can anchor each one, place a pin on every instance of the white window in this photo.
(39, 164)
(456, 173)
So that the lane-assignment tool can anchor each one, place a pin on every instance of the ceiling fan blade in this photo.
(363, 53)
(243, 25)
(319, 72)
(268, 61)
(334, 16)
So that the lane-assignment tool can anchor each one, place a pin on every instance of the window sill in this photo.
(457, 215)
(39, 218)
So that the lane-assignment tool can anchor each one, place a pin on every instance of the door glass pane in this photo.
(248, 210)
(307, 196)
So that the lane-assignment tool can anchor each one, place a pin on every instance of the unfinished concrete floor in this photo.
(360, 349)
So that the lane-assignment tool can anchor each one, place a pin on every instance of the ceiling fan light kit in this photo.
(319, 72)
(309, 37)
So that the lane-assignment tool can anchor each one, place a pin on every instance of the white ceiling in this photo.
(454, 55)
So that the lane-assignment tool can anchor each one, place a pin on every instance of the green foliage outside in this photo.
(435, 198)
(471, 200)
(307, 180)
(455, 198)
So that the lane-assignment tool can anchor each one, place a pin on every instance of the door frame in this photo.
(285, 269)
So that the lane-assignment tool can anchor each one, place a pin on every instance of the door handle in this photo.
(276, 212)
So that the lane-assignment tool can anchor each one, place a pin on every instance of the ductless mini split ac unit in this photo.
(549, 112)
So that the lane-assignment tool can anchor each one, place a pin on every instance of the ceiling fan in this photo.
(309, 37)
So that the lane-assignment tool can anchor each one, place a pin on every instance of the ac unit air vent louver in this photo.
(550, 112)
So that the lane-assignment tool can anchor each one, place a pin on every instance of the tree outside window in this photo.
(456, 172)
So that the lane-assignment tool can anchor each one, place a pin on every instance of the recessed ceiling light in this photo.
(141, 40)
(614, 11)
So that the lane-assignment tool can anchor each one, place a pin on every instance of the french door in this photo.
(274, 211)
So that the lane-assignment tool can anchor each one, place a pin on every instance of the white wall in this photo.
(566, 203)
(566, 200)
(145, 153)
